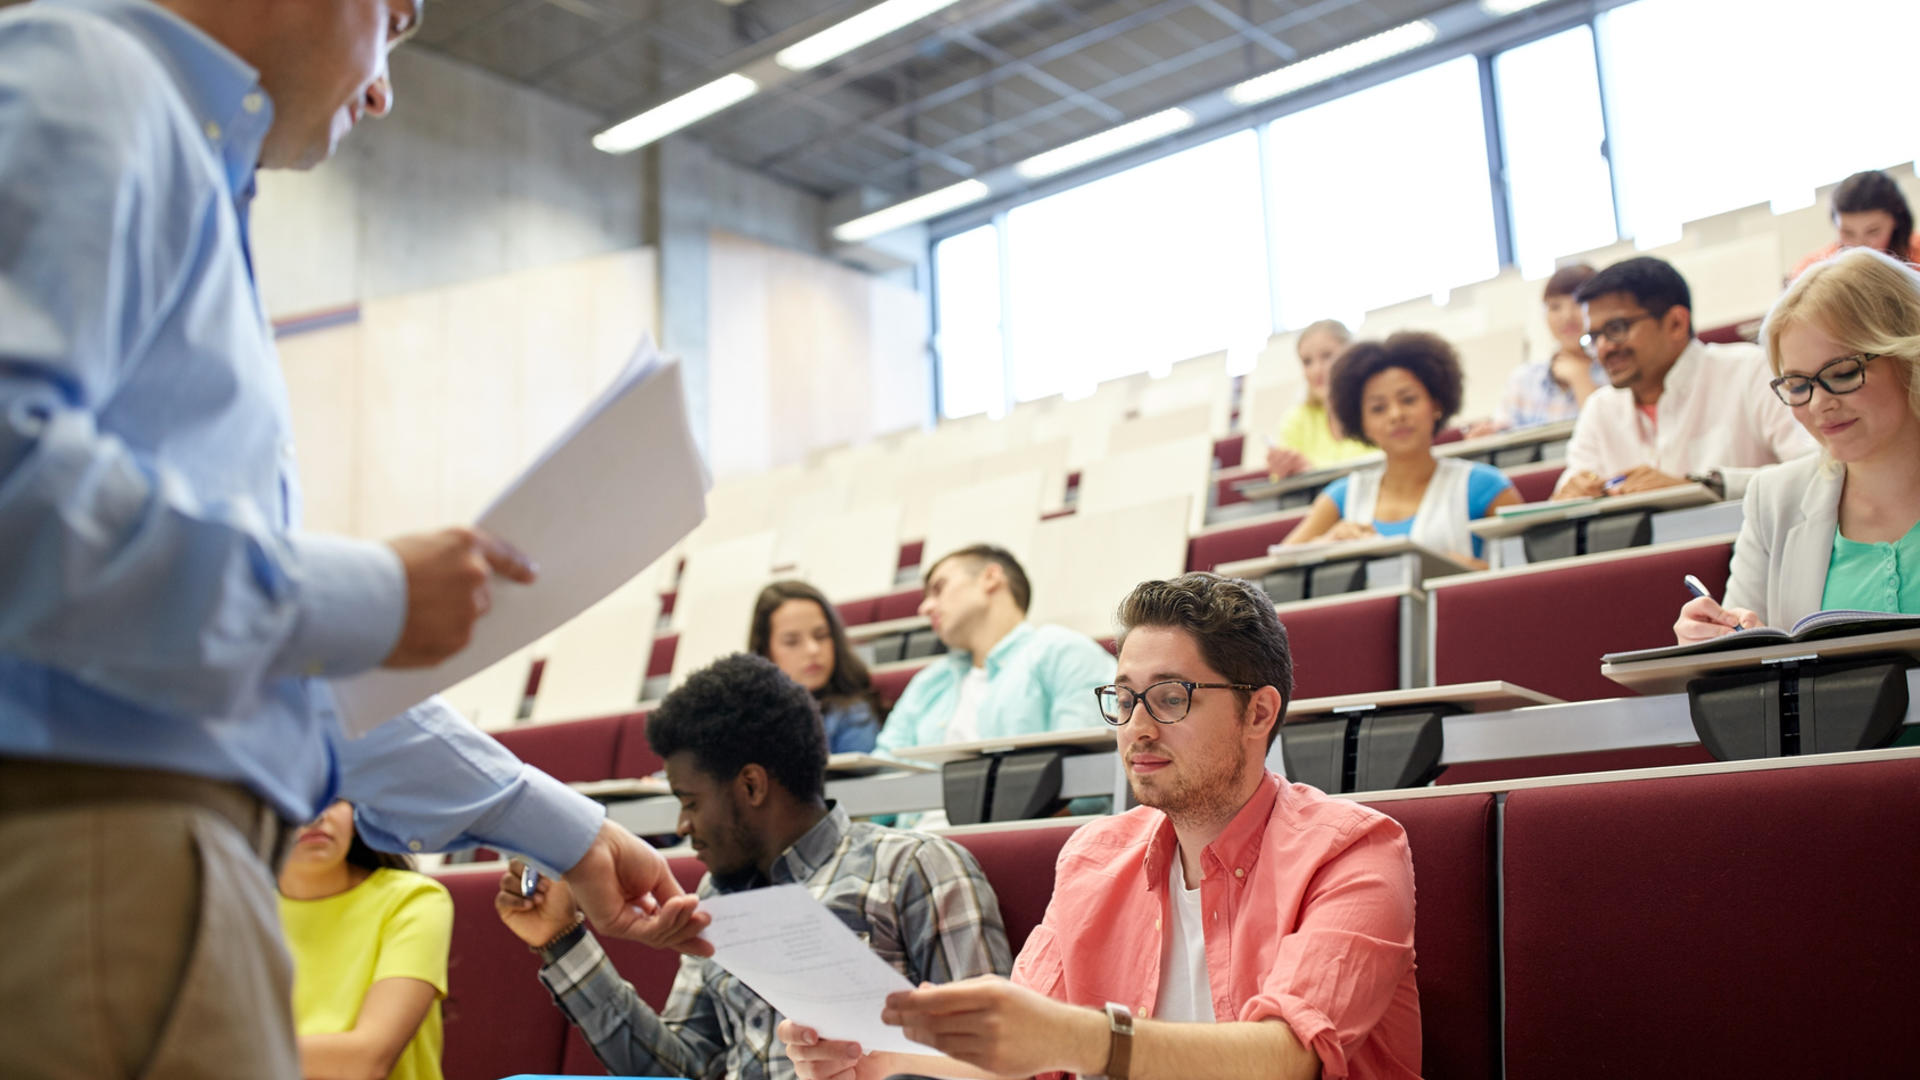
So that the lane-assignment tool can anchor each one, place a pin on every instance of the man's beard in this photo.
(1200, 798)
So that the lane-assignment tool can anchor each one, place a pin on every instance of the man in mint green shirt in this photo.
(1004, 675)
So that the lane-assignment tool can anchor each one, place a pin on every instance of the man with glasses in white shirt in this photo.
(1678, 410)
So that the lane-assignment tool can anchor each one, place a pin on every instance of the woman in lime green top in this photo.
(1309, 438)
(1839, 529)
(369, 939)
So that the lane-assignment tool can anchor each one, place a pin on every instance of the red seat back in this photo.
(1547, 629)
(1349, 647)
(634, 756)
(567, 751)
(1210, 549)
(1453, 843)
(499, 1019)
(1019, 865)
(892, 683)
(1535, 484)
(660, 660)
(1731, 924)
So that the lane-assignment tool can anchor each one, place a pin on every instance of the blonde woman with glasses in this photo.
(1841, 528)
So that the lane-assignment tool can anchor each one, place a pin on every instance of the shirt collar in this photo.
(997, 655)
(1236, 848)
(221, 90)
(1680, 376)
(799, 862)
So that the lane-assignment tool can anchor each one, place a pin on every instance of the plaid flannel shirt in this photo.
(919, 901)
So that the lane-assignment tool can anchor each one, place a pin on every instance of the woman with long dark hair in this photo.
(1869, 211)
(369, 939)
(798, 629)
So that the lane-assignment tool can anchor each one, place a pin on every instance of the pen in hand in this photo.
(1696, 588)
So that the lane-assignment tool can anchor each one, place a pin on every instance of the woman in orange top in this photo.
(1869, 211)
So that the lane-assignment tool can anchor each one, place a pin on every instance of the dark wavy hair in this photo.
(1425, 356)
(1232, 622)
(1875, 190)
(1567, 280)
(1653, 283)
(367, 857)
(742, 710)
(849, 682)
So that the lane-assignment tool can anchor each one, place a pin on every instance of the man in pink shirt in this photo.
(1234, 925)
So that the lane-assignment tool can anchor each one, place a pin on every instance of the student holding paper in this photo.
(1840, 529)
(1398, 394)
(1234, 926)
(167, 628)
(747, 760)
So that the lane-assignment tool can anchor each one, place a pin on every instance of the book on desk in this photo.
(1819, 626)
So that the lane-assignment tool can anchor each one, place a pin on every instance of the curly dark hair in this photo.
(742, 710)
(849, 681)
(1653, 283)
(1425, 356)
(1233, 623)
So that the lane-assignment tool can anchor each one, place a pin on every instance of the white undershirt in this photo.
(964, 724)
(1185, 993)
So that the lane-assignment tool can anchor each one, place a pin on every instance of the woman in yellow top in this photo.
(369, 938)
(1309, 437)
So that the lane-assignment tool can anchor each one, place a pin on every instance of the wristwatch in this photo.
(562, 942)
(1713, 480)
(1120, 1050)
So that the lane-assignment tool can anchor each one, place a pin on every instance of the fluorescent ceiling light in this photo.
(664, 119)
(843, 37)
(1500, 8)
(919, 208)
(1327, 65)
(1111, 141)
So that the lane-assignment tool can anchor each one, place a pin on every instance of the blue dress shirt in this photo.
(159, 605)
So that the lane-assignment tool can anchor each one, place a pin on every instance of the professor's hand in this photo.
(449, 575)
(627, 890)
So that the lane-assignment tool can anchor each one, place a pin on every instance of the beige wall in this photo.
(416, 414)
(806, 354)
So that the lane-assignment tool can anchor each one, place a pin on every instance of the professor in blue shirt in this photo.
(166, 628)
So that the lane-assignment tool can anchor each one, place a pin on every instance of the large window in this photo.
(1381, 196)
(1553, 137)
(966, 275)
(1137, 270)
(1719, 104)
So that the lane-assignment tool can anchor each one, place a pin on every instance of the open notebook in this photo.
(1818, 626)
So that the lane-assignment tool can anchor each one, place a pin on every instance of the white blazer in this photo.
(1786, 543)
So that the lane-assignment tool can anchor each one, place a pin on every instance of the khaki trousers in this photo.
(140, 926)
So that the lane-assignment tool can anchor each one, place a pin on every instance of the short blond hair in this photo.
(1866, 301)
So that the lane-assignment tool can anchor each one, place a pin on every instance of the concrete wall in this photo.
(470, 177)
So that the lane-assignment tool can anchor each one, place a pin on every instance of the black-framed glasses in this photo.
(1167, 702)
(1842, 375)
(1613, 330)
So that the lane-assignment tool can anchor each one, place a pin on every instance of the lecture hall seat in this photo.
(569, 751)
(1216, 546)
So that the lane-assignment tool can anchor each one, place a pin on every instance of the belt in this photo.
(27, 786)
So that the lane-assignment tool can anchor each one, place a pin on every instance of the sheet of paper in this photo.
(622, 484)
(802, 960)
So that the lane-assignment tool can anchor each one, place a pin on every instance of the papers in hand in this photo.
(622, 484)
(803, 961)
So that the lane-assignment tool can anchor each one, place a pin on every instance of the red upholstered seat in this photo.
(892, 683)
(911, 553)
(1452, 841)
(904, 604)
(856, 612)
(1210, 549)
(1019, 864)
(1229, 449)
(1735, 924)
(632, 756)
(1640, 757)
(649, 970)
(660, 661)
(1349, 647)
(568, 751)
(1547, 629)
(499, 1019)
(1535, 483)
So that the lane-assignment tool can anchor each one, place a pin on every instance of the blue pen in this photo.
(1696, 588)
(1621, 479)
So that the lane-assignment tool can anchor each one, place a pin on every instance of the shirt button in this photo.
(1142, 1010)
(414, 845)
(213, 131)
(254, 101)
(1239, 871)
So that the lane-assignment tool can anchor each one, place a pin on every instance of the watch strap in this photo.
(1120, 1046)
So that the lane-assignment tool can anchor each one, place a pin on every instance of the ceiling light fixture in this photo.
(917, 209)
(1105, 144)
(1502, 8)
(849, 34)
(668, 117)
(1332, 64)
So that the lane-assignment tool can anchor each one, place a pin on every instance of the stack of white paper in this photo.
(618, 488)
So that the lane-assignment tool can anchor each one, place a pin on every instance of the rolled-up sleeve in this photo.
(1336, 975)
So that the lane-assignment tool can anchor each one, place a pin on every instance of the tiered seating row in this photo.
(1719, 921)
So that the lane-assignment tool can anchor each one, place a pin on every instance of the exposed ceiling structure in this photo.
(976, 87)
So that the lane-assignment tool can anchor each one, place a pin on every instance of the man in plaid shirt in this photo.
(746, 758)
